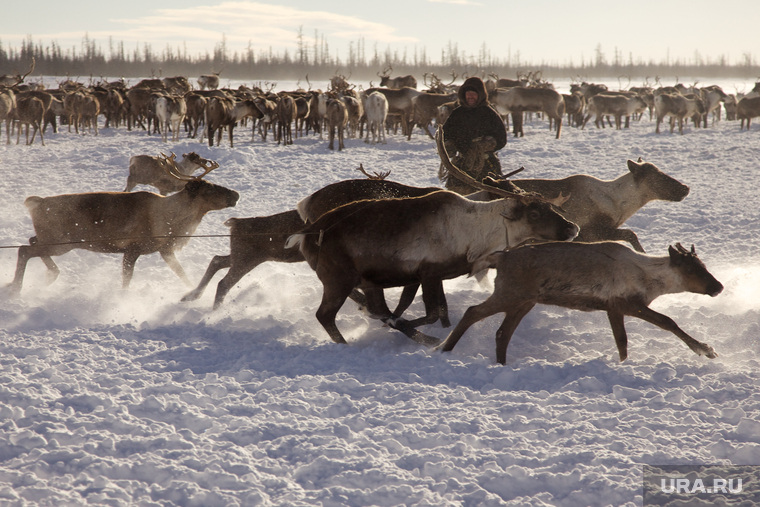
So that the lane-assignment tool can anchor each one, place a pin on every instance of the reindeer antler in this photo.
(208, 166)
(684, 251)
(460, 174)
(31, 69)
(20, 78)
(170, 165)
(376, 176)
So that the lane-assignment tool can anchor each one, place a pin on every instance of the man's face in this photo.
(471, 97)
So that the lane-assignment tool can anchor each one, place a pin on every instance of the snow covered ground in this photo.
(131, 397)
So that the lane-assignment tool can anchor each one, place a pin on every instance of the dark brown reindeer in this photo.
(343, 192)
(253, 240)
(603, 276)
(375, 244)
(575, 104)
(131, 223)
(598, 207)
(196, 112)
(286, 114)
(746, 109)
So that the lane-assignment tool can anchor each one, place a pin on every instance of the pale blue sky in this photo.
(535, 31)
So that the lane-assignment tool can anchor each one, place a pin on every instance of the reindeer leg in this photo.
(24, 254)
(618, 331)
(663, 321)
(359, 298)
(333, 297)
(443, 309)
(432, 293)
(473, 314)
(234, 275)
(128, 267)
(406, 299)
(375, 304)
(170, 259)
(217, 262)
(507, 329)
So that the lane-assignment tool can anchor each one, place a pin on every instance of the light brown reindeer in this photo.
(150, 170)
(604, 276)
(396, 82)
(30, 112)
(131, 223)
(518, 100)
(337, 120)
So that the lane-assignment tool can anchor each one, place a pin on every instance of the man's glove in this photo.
(485, 143)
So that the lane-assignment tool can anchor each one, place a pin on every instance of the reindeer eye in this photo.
(534, 215)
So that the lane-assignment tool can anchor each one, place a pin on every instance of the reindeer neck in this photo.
(661, 278)
(625, 194)
(182, 210)
(498, 233)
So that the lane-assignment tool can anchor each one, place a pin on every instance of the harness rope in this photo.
(105, 240)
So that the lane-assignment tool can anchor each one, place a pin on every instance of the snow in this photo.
(131, 397)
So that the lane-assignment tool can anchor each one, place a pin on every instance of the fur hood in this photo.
(473, 83)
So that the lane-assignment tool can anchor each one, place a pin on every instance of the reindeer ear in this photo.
(632, 166)
(676, 254)
(192, 187)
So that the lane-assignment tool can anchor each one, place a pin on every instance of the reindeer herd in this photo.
(362, 236)
(172, 106)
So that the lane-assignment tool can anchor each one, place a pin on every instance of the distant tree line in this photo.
(313, 60)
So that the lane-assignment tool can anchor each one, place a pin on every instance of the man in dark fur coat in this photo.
(473, 132)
